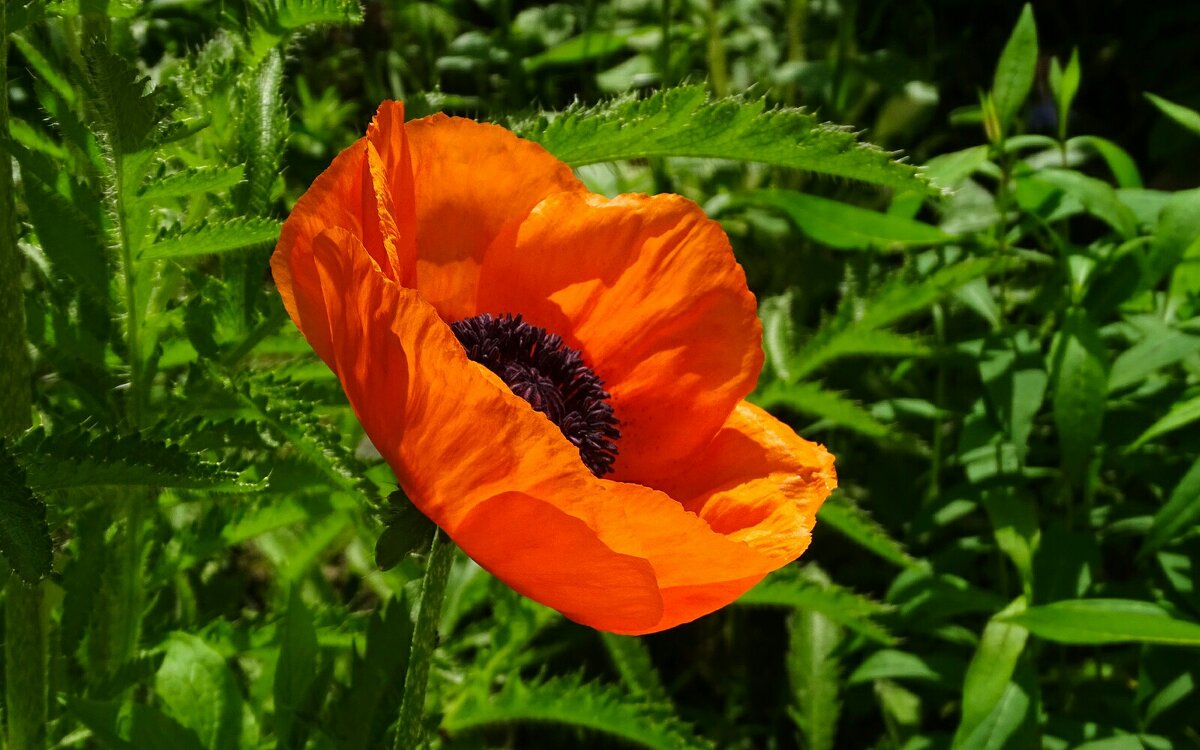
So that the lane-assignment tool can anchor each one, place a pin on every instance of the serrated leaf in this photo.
(24, 535)
(815, 672)
(843, 226)
(78, 458)
(262, 132)
(902, 297)
(292, 15)
(814, 401)
(631, 657)
(684, 121)
(1180, 512)
(572, 702)
(779, 333)
(857, 525)
(129, 112)
(792, 587)
(199, 691)
(1080, 385)
(1098, 621)
(223, 237)
(1183, 116)
(1016, 68)
(191, 182)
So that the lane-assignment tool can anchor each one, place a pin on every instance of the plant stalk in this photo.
(26, 648)
(416, 679)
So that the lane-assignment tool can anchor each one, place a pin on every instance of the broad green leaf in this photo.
(129, 114)
(24, 536)
(297, 14)
(77, 458)
(843, 226)
(1016, 68)
(1124, 169)
(952, 169)
(854, 523)
(571, 702)
(191, 182)
(631, 657)
(1181, 414)
(1000, 729)
(223, 237)
(101, 718)
(1179, 514)
(1080, 374)
(892, 664)
(1098, 621)
(1014, 377)
(1014, 522)
(793, 587)
(1160, 348)
(1097, 198)
(151, 729)
(199, 691)
(590, 45)
(295, 669)
(815, 671)
(1187, 118)
(989, 678)
(683, 121)
(1178, 228)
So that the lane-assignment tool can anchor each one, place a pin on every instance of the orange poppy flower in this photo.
(556, 378)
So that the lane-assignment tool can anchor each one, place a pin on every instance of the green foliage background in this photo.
(1001, 345)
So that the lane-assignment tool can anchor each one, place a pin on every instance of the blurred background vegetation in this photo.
(1006, 365)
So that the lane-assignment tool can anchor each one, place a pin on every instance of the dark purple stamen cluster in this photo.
(551, 376)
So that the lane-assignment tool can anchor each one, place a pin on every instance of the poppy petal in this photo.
(759, 483)
(469, 181)
(649, 290)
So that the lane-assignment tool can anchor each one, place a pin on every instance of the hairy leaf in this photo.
(815, 672)
(856, 524)
(792, 587)
(631, 657)
(684, 121)
(24, 536)
(223, 237)
(192, 181)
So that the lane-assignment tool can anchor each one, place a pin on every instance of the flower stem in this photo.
(416, 678)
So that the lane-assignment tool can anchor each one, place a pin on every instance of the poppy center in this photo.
(540, 368)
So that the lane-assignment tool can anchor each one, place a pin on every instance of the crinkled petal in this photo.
(499, 477)
(469, 182)
(649, 290)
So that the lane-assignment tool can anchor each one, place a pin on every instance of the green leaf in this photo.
(192, 182)
(363, 713)
(1080, 375)
(891, 664)
(1124, 169)
(987, 688)
(794, 587)
(571, 702)
(1014, 377)
(293, 15)
(1014, 522)
(779, 334)
(198, 690)
(1064, 83)
(1016, 68)
(408, 530)
(1178, 515)
(1178, 229)
(843, 226)
(590, 45)
(223, 237)
(295, 669)
(1099, 621)
(1160, 348)
(815, 672)
(683, 121)
(1181, 414)
(1187, 118)
(24, 535)
(833, 344)
(857, 525)
(151, 729)
(902, 298)
(1097, 197)
(45, 69)
(263, 126)
(631, 657)
(79, 458)
(811, 399)
(101, 718)
(129, 113)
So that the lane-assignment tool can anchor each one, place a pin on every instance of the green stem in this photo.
(429, 612)
(133, 321)
(718, 65)
(26, 651)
